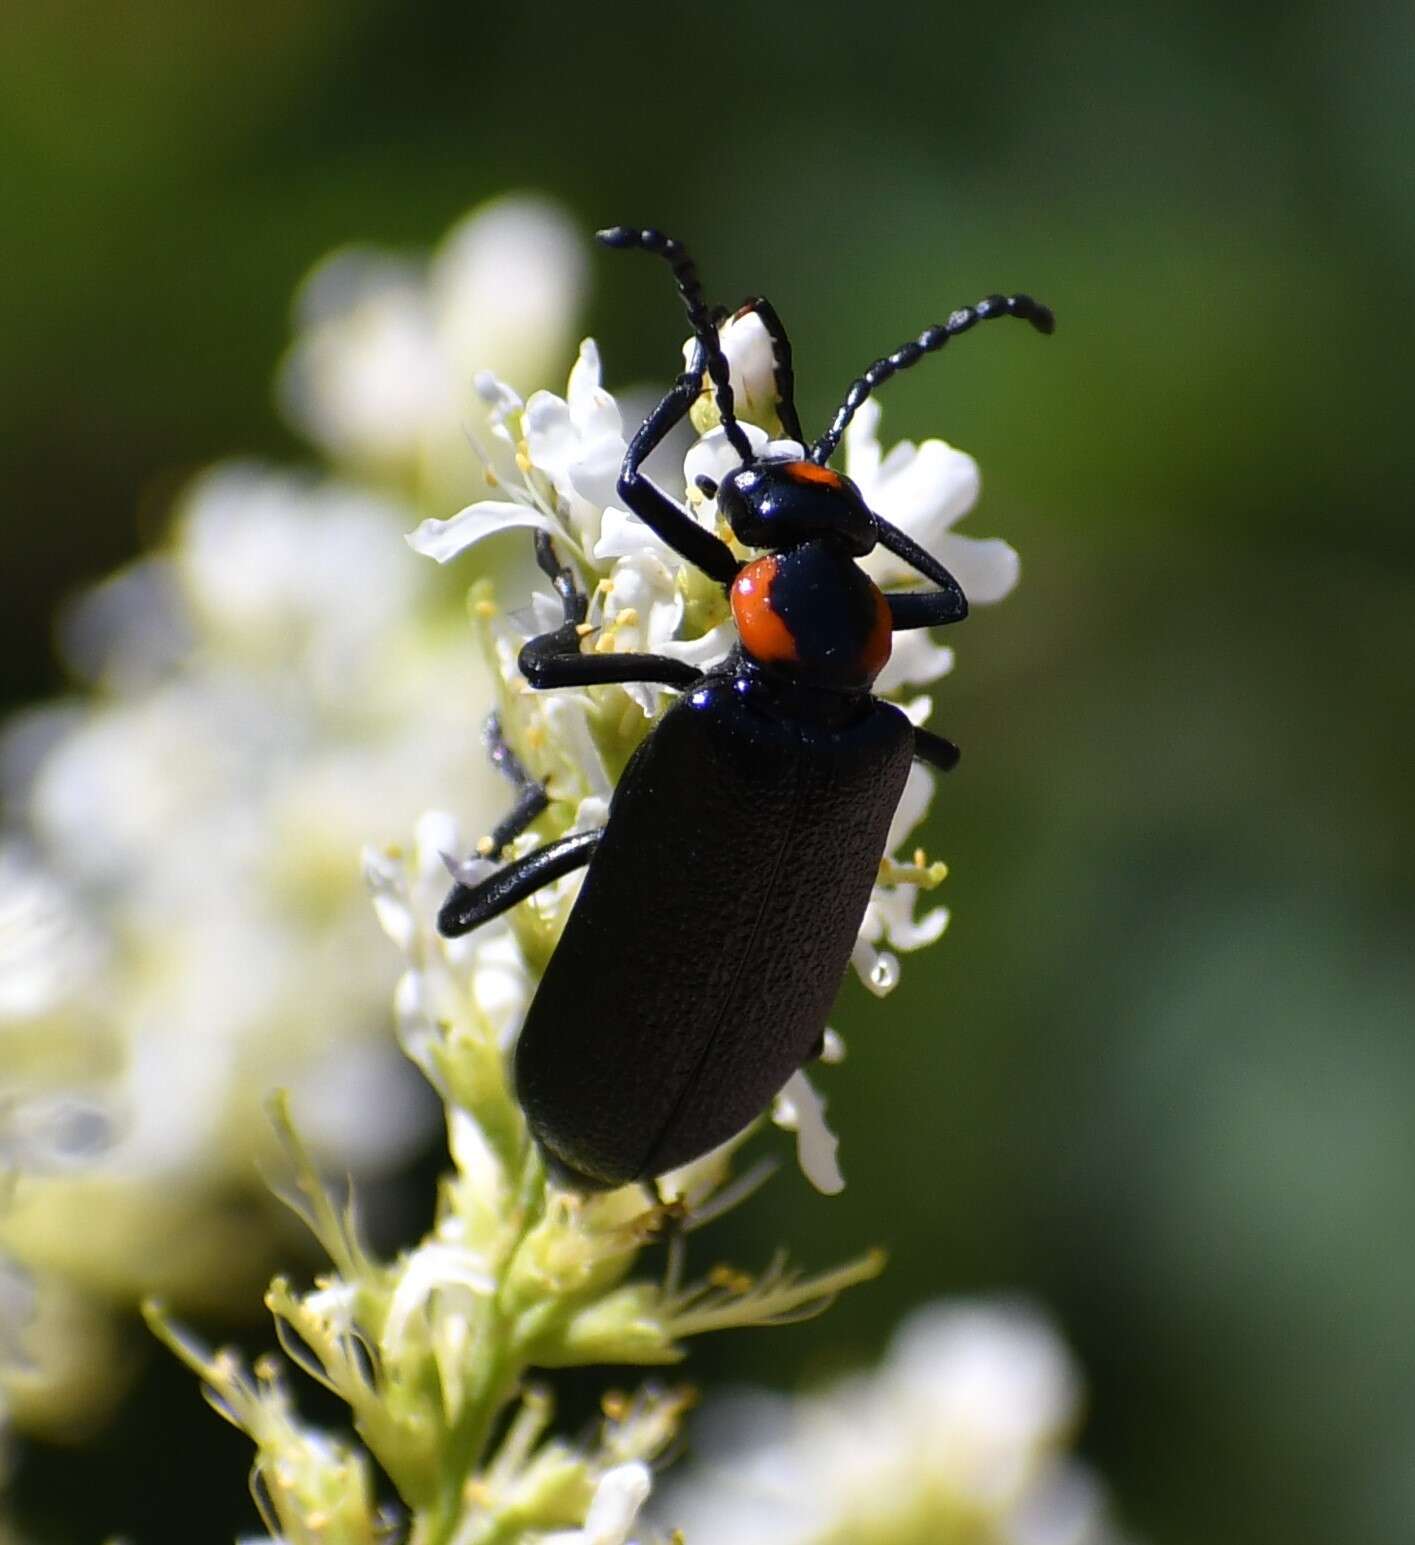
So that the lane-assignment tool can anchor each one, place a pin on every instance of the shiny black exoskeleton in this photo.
(724, 895)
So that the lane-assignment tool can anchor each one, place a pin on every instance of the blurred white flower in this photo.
(47, 950)
(187, 929)
(379, 372)
(213, 817)
(618, 1499)
(960, 1433)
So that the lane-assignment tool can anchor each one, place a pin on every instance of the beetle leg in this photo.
(935, 750)
(554, 660)
(573, 600)
(531, 798)
(468, 906)
(647, 500)
(926, 608)
(893, 540)
(543, 664)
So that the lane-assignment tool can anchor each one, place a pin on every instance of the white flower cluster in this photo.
(553, 463)
(960, 1434)
(182, 929)
(183, 924)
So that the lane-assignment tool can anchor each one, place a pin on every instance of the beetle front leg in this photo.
(647, 500)
(554, 659)
(469, 906)
(926, 608)
(544, 663)
(934, 750)
(931, 609)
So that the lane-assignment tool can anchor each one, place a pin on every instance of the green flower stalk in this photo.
(432, 1352)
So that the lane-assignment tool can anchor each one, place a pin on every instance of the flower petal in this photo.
(594, 412)
(617, 1500)
(623, 535)
(915, 660)
(444, 540)
(913, 806)
(987, 570)
(801, 1110)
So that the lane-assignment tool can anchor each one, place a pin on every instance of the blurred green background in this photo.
(1160, 1075)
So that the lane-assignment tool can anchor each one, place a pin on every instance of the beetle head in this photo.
(777, 505)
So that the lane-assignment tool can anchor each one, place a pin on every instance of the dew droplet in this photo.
(884, 974)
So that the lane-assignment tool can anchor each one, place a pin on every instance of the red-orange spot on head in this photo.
(810, 472)
(764, 635)
(874, 655)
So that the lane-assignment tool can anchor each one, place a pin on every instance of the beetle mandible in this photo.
(768, 787)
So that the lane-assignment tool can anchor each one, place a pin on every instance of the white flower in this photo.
(379, 372)
(558, 458)
(578, 442)
(925, 490)
(889, 915)
(618, 1499)
(960, 1426)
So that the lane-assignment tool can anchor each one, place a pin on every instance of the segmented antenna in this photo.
(1023, 307)
(703, 323)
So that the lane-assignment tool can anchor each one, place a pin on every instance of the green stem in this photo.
(494, 1388)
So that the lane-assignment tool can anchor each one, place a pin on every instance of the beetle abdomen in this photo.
(664, 1024)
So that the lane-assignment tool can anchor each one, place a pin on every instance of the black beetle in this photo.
(673, 1010)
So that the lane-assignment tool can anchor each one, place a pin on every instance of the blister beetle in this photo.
(725, 892)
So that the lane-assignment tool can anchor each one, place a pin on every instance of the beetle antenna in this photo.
(704, 325)
(1023, 307)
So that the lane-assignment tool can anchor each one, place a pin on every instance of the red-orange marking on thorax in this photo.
(810, 472)
(875, 654)
(764, 635)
